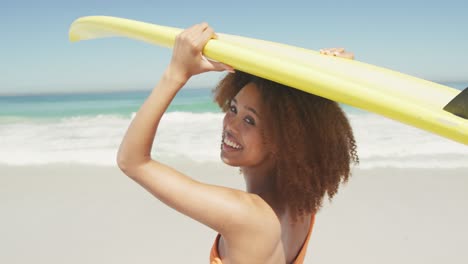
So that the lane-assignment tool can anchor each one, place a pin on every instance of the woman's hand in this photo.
(187, 58)
(338, 52)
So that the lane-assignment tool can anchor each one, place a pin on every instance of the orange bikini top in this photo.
(215, 259)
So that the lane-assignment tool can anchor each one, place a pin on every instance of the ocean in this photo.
(86, 128)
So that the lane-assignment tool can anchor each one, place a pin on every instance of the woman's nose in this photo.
(232, 123)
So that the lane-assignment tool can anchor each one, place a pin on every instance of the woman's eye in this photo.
(233, 109)
(249, 120)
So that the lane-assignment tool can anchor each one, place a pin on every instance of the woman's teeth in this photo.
(231, 144)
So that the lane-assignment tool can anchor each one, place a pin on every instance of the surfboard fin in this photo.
(459, 105)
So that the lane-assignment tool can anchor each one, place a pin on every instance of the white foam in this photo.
(197, 136)
(95, 140)
(91, 140)
(384, 142)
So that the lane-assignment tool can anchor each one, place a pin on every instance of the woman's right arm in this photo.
(186, 61)
(223, 209)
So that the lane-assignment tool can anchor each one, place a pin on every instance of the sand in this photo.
(61, 213)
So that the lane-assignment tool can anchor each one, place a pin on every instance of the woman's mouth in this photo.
(230, 143)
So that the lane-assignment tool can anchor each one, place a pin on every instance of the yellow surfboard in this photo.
(401, 97)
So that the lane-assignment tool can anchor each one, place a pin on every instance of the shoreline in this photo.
(92, 214)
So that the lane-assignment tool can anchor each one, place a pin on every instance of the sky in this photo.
(427, 39)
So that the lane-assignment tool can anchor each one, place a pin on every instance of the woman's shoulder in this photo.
(258, 238)
(261, 219)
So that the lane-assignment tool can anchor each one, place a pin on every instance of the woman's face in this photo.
(243, 144)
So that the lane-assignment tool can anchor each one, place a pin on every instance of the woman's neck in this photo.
(262, 181)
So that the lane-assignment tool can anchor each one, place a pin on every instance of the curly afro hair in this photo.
(312, 140)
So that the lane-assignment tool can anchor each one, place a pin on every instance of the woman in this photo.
(290, 155)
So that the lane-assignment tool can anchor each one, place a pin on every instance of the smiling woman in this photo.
(307, 138)
(242, 141)
(293, 148)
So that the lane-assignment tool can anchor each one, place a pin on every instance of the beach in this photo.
(65, 107)
(63, 199)
(72, 213)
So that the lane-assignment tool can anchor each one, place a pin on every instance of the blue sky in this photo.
(425, 39)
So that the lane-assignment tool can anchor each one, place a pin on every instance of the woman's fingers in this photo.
(208, 64)
(206, 35)
(346, 55)
(338, 52)
(197, 35)
(332, 51)
(187, 56)
(211, 65)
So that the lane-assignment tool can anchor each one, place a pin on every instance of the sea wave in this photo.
(95, 140)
